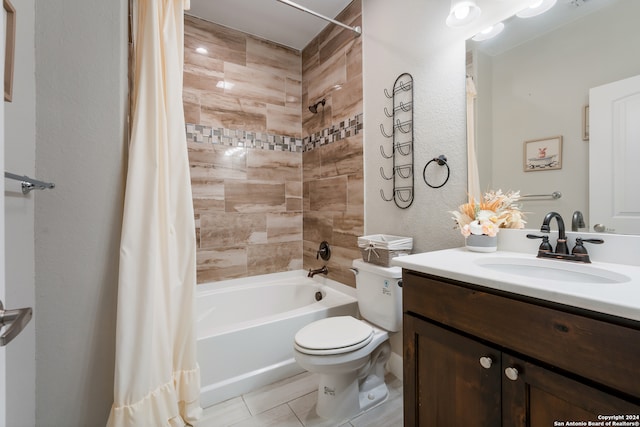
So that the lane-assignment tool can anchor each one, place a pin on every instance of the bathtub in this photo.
(245, 328)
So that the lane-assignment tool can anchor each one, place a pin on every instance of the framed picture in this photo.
(585, 123)
(9, 50)
(543, 154)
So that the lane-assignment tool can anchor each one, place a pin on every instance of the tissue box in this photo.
(380, 248)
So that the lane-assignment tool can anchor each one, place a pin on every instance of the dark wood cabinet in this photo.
(473, 357)
(449, 385)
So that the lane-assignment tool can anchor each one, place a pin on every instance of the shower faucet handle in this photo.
(324, 252)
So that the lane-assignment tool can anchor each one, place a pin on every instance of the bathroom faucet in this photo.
(561, 247)
(577, 221)
(579, 252)
(324, 270)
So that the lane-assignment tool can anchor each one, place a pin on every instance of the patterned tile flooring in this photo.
(291, 403)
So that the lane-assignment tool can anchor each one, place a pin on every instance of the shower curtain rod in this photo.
(355, 29)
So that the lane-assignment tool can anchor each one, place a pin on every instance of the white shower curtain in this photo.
(473, 179)
(157, 379)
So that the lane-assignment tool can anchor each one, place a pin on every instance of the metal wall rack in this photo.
(401, 136)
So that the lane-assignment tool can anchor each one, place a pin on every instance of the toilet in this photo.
(349, 354)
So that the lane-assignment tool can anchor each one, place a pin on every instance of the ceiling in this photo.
(518, 30)
(270, 19)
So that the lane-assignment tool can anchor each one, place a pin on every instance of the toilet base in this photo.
(340, 399)
(344, 396)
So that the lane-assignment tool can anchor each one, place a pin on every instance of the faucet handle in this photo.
(596, 241)
(324, 251)
(545, 246)
(579, 248)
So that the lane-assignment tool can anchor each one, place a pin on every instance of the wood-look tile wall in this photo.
(248, 207)
(242, 82)
(247, 201)
(333, 202)
(261, 210)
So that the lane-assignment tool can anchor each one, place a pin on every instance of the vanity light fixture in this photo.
(536, 8)
(489, 33)
(462, 12)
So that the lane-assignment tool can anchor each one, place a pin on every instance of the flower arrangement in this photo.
(495, 211)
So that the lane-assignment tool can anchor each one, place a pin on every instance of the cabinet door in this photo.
(537, 397)
(445, 384)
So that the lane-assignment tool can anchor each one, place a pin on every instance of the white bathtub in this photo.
(246, 327)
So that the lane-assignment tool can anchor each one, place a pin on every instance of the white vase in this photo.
(482, 243)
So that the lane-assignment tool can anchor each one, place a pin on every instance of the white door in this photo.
(614, 157)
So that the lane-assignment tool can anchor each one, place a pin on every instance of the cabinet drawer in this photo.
(594, 349)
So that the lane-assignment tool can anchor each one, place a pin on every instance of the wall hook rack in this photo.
(402, 106)
(401, 135)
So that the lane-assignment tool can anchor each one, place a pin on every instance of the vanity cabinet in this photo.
(479, 357)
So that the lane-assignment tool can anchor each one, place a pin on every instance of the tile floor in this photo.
(291, 403)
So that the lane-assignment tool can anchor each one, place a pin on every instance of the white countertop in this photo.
(618, 299)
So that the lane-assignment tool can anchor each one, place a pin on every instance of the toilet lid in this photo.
(333, 335)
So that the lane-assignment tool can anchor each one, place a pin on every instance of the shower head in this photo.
(314, 108)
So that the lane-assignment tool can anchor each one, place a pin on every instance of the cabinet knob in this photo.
(511, 373)
(486, 362)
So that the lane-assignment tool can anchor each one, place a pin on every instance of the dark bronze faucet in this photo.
(577, 221)
(561, 246)
(324, 270)
(578, 254)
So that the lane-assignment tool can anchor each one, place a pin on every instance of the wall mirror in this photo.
(532, 83)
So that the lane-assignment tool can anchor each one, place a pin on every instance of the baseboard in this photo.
(394, 365)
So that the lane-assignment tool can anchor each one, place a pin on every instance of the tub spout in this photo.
(324, 270)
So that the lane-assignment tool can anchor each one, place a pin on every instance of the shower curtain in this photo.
(473, 179)
(157, 379)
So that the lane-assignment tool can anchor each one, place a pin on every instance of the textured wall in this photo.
(81, 107)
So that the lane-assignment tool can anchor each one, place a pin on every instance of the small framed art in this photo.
(543, 154)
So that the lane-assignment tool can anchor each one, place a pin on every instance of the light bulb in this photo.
(536, 8)
(461, 12)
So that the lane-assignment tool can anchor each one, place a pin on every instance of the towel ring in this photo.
(442, 161)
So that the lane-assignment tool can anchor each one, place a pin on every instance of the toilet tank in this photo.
(379, 294)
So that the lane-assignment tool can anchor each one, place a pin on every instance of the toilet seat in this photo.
(333, 335)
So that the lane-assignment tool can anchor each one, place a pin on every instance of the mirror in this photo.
(533, 83)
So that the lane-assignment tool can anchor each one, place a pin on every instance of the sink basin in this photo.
(563, 271)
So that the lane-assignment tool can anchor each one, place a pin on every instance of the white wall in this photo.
(20, 151)
(539, 90)
(81, 87)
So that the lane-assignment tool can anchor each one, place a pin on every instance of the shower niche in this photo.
(398, 147)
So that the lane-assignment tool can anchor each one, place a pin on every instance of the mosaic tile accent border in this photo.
(241, 138)
(344, 129)
(267, 141)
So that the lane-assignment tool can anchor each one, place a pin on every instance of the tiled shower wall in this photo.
(333, 172)
(247, 125)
